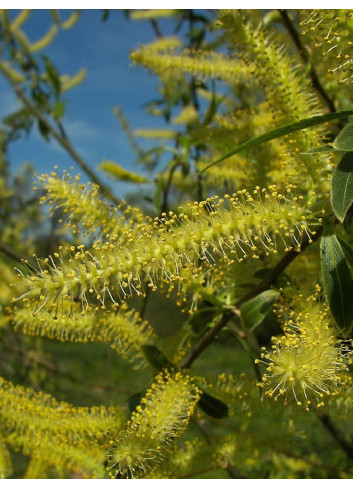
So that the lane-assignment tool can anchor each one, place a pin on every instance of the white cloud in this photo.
(82, 131)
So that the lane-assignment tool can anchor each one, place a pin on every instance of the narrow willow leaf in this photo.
(344, 140)
(254, 311)
(156, 358)
(342, 186)
(283, 131)
(135, 400)
(58, 110)
(212, 406)
(347, 250)
(337, 281)
(53, 75)
(200, 320)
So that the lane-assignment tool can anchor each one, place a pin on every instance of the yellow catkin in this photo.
(305, 362)
(289, 94)
(173, 64)
(219, 229)
(119, 173)
(148, 14)
(331, 32)
(124, 331)
(60, 434)
(84, 208)
(154, 426)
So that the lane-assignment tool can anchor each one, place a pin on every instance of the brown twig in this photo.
(9, 252)
(229, 313)
(59, 136)
(207, 339)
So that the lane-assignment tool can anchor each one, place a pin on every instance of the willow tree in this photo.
(246, 228)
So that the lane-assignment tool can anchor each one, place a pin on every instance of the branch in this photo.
(9, 252)
(60, 137)
(231, 312)
(207, 339)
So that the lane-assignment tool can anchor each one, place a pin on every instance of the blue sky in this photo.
(103, 49)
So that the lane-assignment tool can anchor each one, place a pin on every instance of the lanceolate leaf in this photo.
(337, 281)
(342, 186)
(200, 320)
(344, 140)
(156, 358)
(255, 310)
(212, 406)
(347, 250)
(283, 131)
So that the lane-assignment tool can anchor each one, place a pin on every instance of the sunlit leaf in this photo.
(344, 140)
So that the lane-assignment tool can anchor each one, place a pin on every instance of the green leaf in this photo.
(212, 406)
(342, 186)
(344, 140)
(43, 129)
(58, 110)
(156, 358)
(337, 281)
(200, 320)
(135, 400)
(53, 75)
(282, 131)
(347, 250)
(254, 311)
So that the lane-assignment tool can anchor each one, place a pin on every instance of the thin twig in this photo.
(156, 28)
(166, 190)
(229, 314)
(144, 302)
(207, 339)
(60, 137)
(9, 252)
